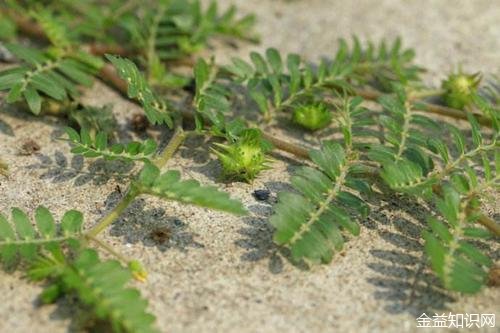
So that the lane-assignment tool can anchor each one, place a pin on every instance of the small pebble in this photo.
(261, 195)
(161, 234)
(139, 122)
(29, 147)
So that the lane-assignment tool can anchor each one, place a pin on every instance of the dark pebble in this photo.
(261, 195)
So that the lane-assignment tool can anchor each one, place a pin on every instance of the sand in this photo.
(220, 273)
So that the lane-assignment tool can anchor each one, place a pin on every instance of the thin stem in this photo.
(427, 107)
(151, 41)
(490, 224)
(173, 145)
(287, 146)
(115, 213)
(133, 191)
(420, 94)
(107, 248)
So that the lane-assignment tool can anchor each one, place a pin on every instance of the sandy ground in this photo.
(220, 273)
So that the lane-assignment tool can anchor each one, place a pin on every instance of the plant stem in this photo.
(115, 213)
(133, 191)
(427, 107)
(419, 94)
(173, 145)
(107, 248)
(287, 146)
(490, 224)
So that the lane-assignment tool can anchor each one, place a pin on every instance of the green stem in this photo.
(420, 94)
(133, 191)
(373, 95)
(173, 145)
(115, 213)
(107, 248)
(151, 41)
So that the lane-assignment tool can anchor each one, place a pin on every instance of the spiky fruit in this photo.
(460, 89)
(245, 158)
(313, 116)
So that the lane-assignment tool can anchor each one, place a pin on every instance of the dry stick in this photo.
(287, 146)
(25, 25)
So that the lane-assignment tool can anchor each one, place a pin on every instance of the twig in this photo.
(489, 224)
(287, 146)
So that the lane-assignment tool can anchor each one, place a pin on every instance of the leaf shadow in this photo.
(5, 128)
(257, 240)
(68, 308)
(403, 278)
(59, 169)
(152, 227)
(257, 235)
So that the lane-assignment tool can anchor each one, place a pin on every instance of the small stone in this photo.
(161, 235)
(29, 147)
(139, 122)
(261, 195)
(494, 276)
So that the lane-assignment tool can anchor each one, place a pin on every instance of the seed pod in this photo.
(312, 117)
(245, 158)
(460, 88)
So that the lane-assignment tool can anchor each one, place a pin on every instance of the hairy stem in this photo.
(133, 191)
(427, 107)
(490, 224)
(115, 213)
(173, 145)
(108, 248)
(287, 146)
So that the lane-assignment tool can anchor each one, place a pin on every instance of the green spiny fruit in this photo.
(312, 117)
(460, 89)
(245, 158)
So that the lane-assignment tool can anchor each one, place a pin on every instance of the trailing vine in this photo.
(387, 139)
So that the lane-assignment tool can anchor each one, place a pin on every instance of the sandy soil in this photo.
(220, 273)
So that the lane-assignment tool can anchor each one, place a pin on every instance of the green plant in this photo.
(312, 117)
(393, 146)
(460, 89)
(245, 158)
